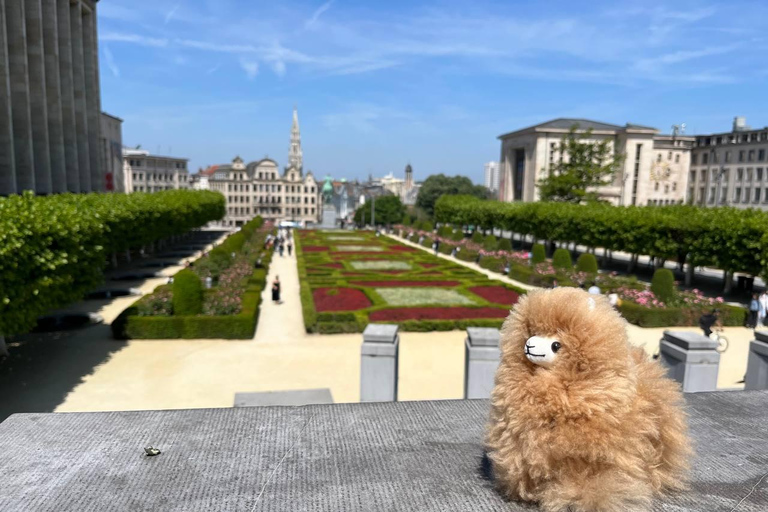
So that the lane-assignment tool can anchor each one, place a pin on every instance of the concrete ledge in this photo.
(423, 456)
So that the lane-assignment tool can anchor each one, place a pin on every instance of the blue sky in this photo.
(379, 84)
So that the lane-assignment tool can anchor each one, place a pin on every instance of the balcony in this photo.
(422, 456)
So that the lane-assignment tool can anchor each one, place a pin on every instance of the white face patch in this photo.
(542, 351)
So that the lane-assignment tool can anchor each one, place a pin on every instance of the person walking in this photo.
(763, 308)
(290, 248)
(276, 290)
(594, 289)
(436, 246)
(754, 311)
(282, 248)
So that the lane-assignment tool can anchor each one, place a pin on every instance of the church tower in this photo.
(294, 155)
(408, 177)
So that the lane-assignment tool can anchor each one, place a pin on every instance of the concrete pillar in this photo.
(691, 359)
(38, 104)
(81, 108)
(19, 80)
(757, 363)
(481, 359)
(7, 164)
(92, 99)
(66, 82)
(53, 97)
(378, 363)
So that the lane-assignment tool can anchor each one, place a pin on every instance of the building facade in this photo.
(653, 170)
(491, 181)
(112, 152)
(50, 105)
(259, 188)
(730, 168)
(144, 172)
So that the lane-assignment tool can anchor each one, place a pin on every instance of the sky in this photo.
(379, 84)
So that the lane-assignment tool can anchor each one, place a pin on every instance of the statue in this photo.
(328, 190)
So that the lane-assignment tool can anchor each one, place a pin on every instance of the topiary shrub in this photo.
(505, 244)
(477, 237)
(587, 263)
(561, 259)
(407, 220)
(187, 294)
(663, 284)
(490, 243)
(457, 236)
(539, 254)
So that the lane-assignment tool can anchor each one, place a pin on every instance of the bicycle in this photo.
(722, 341)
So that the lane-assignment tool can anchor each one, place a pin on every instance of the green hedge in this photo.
(666, 317)
(561, 259)
(187, 294)
(663, 284)
(538, 254)
(725, 238)
(53, 249)
(587, 263)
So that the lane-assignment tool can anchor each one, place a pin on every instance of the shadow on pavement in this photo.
(44, 367)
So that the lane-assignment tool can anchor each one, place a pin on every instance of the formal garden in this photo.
(216, 297)
(352, 278)
(656, 304)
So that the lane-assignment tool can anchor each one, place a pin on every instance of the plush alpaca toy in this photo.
(582, 421)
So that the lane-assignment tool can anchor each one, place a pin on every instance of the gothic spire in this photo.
(294, 155)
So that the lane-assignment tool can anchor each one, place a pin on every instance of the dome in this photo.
(328, 187)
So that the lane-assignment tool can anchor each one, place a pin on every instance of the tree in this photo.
(587, 165)
(441, 185)
(389, 210)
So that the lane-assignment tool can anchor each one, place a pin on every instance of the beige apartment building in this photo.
(144, 172)
(654, 170)
(259, 188)
(50, 106)
(730, 168)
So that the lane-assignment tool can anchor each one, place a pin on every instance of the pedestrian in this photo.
(613, 299)
(754, 311)
(594, 289)
(282, 247)
(554, 283)
(290, 248)
(276, 290)
(763, 307)
(707, 321)
(436, 246)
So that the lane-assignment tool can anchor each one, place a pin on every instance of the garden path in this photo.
(281, 322)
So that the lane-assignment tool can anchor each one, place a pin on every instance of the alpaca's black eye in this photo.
(556, 346)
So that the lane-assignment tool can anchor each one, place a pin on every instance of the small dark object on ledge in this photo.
(151, 452)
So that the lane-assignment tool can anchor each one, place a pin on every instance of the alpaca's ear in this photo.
(591, 303)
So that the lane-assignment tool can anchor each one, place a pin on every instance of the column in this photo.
(92, 100)
(379, 363)
(81, 110)
(7, 165)
(19, 81)
(53, 97)
(69, 125)
(37, 98)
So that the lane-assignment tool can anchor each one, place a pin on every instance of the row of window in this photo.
(152, 163)
(270, 199)
(140, 176)
(740, 175)
(732, 138)
(666, 187)
(246, 210)
(294, 189)
(743, 156)
(142, 188)
(741, 195)
(663, 202)
(669, 157)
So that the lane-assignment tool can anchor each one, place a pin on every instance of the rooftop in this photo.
(565, 124)
(385, 456)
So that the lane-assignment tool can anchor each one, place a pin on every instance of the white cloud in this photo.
(169, 16)
(110, 61)
(278, 67)
(251, 68)
(212, 70)
(316, 15)
(133, 38)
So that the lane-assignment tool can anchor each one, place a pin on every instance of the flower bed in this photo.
(339, 299)
(496, 294)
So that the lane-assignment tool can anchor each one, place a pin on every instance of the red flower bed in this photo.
(403, 248)
(433, 273)
(314, 248)
(405, 284)
(345, 299)
(367, 253)
(429, 265)
(402, 314)
(334, 265)
(497, 294)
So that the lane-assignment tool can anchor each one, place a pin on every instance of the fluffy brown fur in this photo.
(601, 430)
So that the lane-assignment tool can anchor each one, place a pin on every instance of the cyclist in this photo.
(709, 320)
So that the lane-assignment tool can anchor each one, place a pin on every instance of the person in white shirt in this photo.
(594, 289)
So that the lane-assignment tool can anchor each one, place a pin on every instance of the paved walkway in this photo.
(281, 322)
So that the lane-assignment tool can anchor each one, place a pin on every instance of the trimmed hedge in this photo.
(663, 284)
(505, 244)
(675, 316)
(53, 249)
(187, 294)
(561, 259)
(587, 263)
(490, 243)
(538, 254)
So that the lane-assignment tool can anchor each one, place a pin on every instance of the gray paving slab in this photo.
(284, 398)
(423, 456)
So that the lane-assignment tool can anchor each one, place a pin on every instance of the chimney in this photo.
(739, 123)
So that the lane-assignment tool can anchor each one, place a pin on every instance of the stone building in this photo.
(112, 152)
(258, 188)
(491, 180)
(50, 106)
(653, 171)
(145, 172)
(730, 168)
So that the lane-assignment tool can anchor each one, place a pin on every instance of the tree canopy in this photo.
(389, 210)
(439, 185)
(587, 164)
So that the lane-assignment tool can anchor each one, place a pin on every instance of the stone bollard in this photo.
(757, 364)
(691, 359)
(378, 363)
(481, 358)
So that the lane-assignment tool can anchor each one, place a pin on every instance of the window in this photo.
(723, 195)
(739, 174)
(765, 196)
(718, 140)
(677, 158)
(753, 137)
(656, 187)
(747, 194)
(727, 156)
(751, 155)
(658, 157)
(704, 158)
(669, 156)
(737, 195)
(714, 157)
(674, 187)
(694, 159)
(711, 195)
(741, 155)
(759, 174)
(666, 189)
(692, 176)
(761, 155)
(757, 194)
(703, 176)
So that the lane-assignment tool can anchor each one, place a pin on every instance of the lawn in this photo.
(351, 279)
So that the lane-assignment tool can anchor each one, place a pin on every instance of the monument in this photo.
(329, 212)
